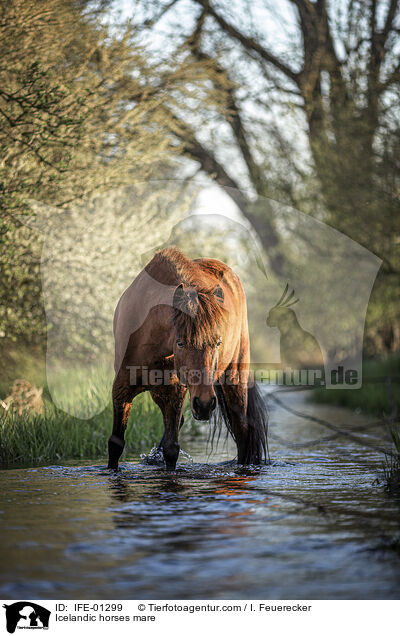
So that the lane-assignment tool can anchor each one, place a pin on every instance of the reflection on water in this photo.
(313, 524)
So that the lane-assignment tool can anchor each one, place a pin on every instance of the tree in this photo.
(339, 69)
(79, 113)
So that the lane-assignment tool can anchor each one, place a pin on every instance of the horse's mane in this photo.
(199, 315)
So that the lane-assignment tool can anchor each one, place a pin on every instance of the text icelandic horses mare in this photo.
(182, 326)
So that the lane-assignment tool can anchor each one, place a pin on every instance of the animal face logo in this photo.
(194, 377)
(25, 615)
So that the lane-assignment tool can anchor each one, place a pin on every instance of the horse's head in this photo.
(199, 327)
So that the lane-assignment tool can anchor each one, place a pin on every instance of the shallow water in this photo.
(313, 524)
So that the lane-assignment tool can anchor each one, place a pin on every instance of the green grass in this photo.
(373, 397)
(391, 470)
(54, 436)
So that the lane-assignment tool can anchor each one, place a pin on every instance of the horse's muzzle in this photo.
(202, 410)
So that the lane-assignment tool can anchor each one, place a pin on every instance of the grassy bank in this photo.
(54, 434)
(376, 396)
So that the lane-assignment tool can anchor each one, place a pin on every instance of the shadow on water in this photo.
(312, 524)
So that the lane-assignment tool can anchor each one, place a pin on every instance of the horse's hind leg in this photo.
(235, 404)
(170, 399)
(245, 412)
(122, 396)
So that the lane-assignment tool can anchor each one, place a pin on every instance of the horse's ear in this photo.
(185, 300)
(219, 293)
(179, 295)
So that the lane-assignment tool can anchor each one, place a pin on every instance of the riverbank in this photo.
(379, 394)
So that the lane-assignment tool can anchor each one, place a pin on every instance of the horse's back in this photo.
(135, 309)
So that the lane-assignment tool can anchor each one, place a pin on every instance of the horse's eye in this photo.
(180, 344)
(219, 341)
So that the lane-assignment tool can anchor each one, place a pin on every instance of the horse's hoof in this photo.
(153, 461)
(154, 458)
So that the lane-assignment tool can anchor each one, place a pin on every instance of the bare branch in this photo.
(234, 117)
(195, 150)
(249, 43)
(391, 14)
(152, 21)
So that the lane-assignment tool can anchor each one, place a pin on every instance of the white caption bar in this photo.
(177, 617)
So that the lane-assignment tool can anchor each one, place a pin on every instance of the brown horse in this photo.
(182, 326)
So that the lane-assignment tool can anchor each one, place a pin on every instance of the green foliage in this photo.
(79, 114)
(20, 362)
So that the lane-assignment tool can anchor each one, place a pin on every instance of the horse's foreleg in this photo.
(122, 396)
(161, 442)
(116, 442)
(170, 400)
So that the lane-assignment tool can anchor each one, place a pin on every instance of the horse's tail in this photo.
(257, 422)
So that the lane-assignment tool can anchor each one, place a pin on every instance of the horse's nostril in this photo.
(213, 403)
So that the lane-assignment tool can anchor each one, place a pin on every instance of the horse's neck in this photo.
(171, 267)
